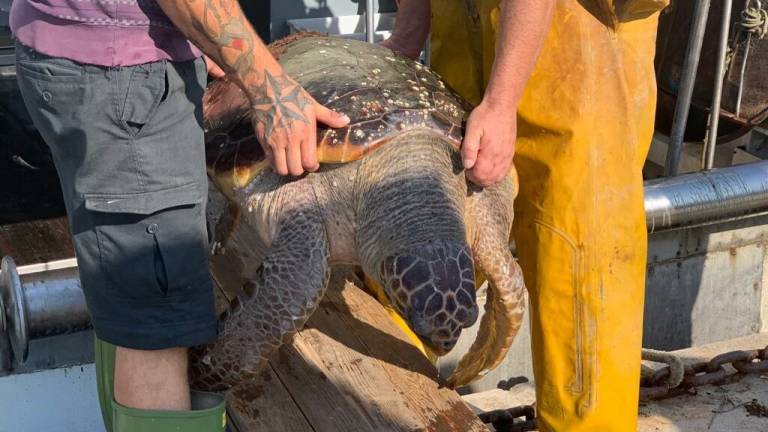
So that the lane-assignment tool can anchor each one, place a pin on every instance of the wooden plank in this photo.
(360, 396)
(265, 404)
(439, 408)
(249, 410)
(496, 399)
(350, 369)
(36, 241)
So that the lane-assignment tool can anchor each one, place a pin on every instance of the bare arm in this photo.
(411, 28)
(523, 26)
(284, 115)
(489, 141)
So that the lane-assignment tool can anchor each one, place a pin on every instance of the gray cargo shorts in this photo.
(128, 147)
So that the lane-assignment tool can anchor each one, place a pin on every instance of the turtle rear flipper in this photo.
(505, 301)
(277, 302)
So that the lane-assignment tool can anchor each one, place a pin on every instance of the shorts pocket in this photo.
(145, 203)
(49, 71)
(39, 66)
(152, 246)
(140, 90)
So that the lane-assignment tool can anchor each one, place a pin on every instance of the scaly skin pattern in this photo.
(489, 218)
(405, 215)
(411, 237)
(282, 291)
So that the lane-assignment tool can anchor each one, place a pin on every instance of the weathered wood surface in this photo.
(36, 241)
(350, 369)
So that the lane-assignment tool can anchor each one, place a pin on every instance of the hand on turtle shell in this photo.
(285, 119)
(489, 143)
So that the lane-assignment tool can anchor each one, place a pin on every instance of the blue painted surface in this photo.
(56, 400)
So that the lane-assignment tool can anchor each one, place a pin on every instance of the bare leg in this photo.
(155, 380)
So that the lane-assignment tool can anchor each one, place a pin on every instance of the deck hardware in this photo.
(15, 308)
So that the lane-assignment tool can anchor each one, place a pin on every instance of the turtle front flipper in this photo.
(277, 302)
(490, 213)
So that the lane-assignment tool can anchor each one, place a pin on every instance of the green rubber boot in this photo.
(207, 414)
(105, 379)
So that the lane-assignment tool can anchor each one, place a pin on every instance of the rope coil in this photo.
(754, 20)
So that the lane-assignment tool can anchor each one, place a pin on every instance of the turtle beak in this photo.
(437, 341)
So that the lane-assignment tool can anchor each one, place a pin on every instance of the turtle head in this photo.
(433, 287)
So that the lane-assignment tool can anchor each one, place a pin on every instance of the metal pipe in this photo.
(41, 303)
(684, 95)
(707, 196)
(55, 303)
(370, 29)
(15, 309)
(714, 112)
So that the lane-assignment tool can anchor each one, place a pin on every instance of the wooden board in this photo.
(36, 241)
(350, 369)
(277, 412)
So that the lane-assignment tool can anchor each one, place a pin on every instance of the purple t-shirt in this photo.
(100, 32)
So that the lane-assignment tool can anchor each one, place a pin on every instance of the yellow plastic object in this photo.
(584, 127)
(378, 291)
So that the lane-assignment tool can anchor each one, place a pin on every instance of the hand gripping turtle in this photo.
(391, 197)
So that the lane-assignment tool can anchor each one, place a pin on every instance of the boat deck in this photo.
(740, 405)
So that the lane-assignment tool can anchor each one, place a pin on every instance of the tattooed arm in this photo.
(284, 115)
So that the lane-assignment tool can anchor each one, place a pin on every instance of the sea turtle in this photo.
(390, 196)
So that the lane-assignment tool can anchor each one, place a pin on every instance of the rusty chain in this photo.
(517, 419)
(654, 386)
